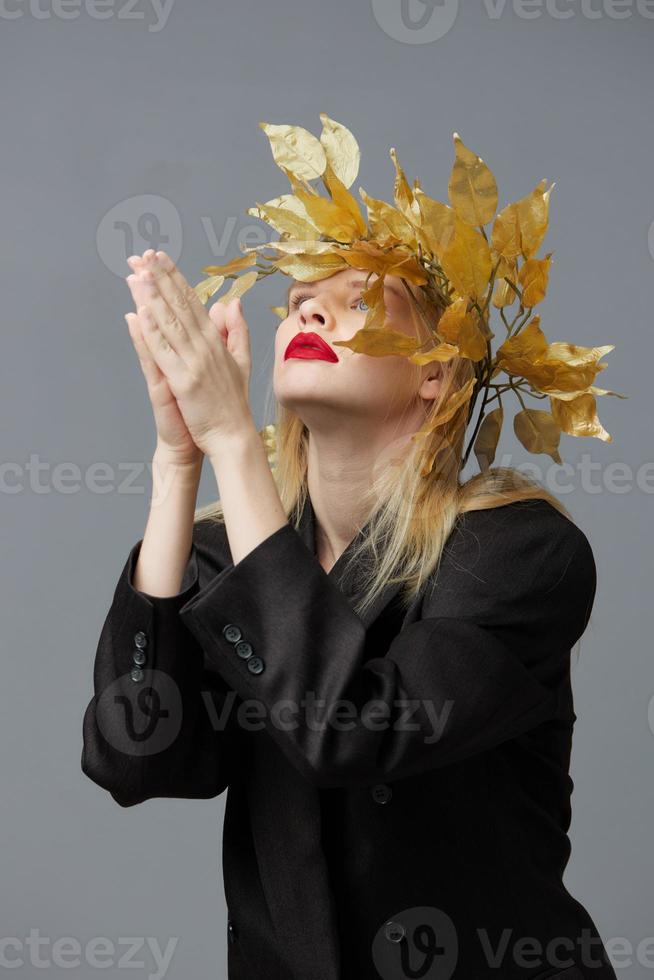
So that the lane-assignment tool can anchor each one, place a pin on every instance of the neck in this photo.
(341, 468)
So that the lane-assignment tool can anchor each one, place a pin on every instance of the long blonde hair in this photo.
(410, 516)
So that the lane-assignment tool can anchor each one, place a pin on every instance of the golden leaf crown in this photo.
(445, 249)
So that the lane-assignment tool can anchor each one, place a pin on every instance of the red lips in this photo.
(309, 345)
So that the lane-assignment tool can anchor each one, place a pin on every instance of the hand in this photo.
(204, 357)
(174, 440)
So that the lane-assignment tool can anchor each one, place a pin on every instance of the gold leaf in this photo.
(233, 266)
(395, 261)
(538, 432)
(403, 194)
(269, 438)
(289, 218)
(579, 417)
(299, 183)
(341, 149)
(280, 311)
(296, 149)
(569, 395)
(485, 445)
(575, 355)
(437, 226)
(239, 287)
(379, 343)
(457, 326)
(533, 216)
(408, 268)
(373, 296)
(506, 232)
(368, 257)
(533, 278)
(504, 294)
(330, 218)
(309, 268)
(447, 412)
(521, 226)
(467, 261)
(388, 225)
(345, 201)
(549, 367)
(208, 287)
(442, 352)
(472, 188)
(528, 345)
(295, 246)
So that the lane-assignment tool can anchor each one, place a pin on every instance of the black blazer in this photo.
(421, 829)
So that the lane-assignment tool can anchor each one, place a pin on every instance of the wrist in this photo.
(170, 471)
(165, 456)
(239, 443)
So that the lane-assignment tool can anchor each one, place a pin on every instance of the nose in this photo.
(314, 310)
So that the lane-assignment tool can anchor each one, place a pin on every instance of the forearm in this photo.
(168, 534)
(248, 493)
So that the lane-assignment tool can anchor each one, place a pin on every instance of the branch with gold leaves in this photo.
(460, 268)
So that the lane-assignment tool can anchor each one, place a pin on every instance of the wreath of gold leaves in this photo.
(445, 249)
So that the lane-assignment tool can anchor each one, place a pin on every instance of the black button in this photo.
(231, 931)
(138, 657)
(140, 639)
(244, 649)
(381, 793)
(232, 633)
(255, 665)
(395, 932)
(136, 674)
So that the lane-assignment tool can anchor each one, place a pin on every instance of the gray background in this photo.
(99, 114)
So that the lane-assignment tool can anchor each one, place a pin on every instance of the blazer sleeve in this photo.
(156, 725)
(484, 664)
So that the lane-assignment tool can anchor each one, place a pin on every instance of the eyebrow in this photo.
(350, 285)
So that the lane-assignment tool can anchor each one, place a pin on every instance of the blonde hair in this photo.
(410, 515)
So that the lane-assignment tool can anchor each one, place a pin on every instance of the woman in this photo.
(395, 747)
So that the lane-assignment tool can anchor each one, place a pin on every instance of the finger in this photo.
(138, 290)
(184, 303)
(186, 292)
(174, 327)
(151, 370)
(164, 356)
(217, 316)
(238, 332)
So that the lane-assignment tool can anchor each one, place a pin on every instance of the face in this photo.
(348, 387)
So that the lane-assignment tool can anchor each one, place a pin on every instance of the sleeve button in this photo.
(395, 932)
(140, 639)
(244, 649)
(232, 633)
(255, 665)
(381, 793)
(138, 657)
(136, 674)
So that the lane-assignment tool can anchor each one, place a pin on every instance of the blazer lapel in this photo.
(348, 582)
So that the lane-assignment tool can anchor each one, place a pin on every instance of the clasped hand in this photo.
(196, 362)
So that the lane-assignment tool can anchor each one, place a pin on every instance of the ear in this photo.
(431, 383)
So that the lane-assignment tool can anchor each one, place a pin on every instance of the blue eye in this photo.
(297, 299)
